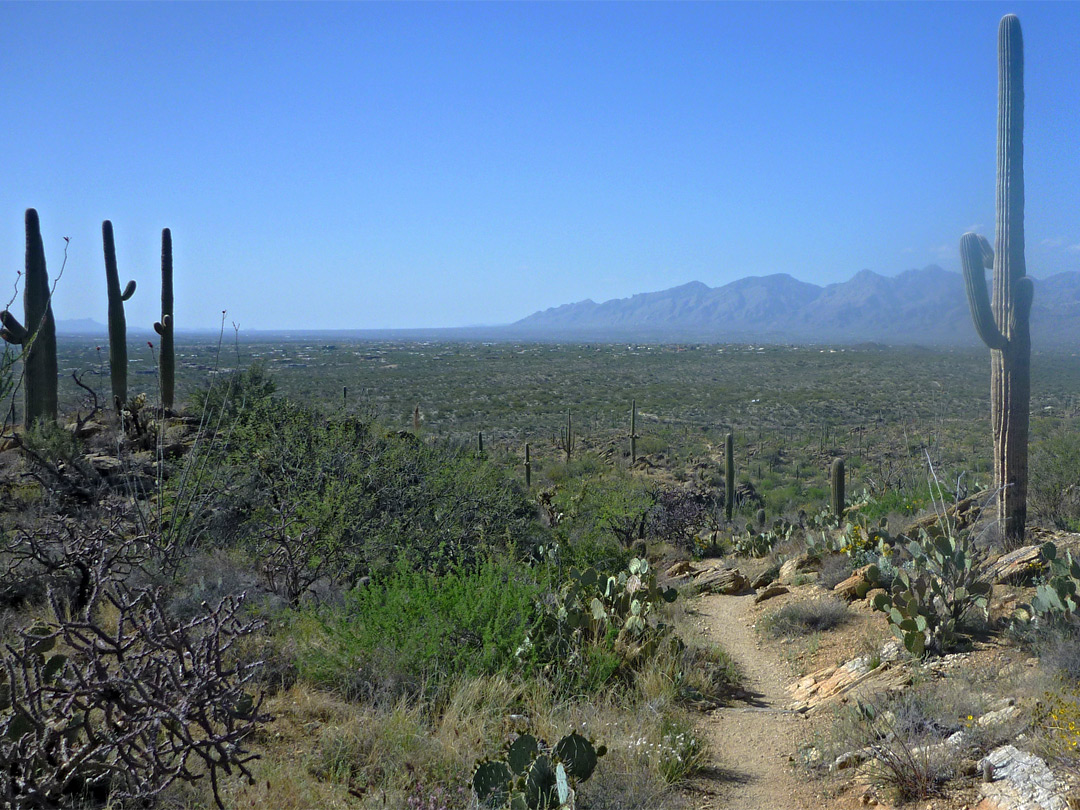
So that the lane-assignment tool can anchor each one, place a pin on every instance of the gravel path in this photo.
(754, 740)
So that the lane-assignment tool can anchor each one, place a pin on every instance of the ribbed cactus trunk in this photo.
(528, 467)
(38, 337)
(164, 327)
(729, 476)
(633, 432)
(1004, 323)
(836, 480)
(118, 359)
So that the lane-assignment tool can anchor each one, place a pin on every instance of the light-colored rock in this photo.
(105, 466)
(683, 568)
(839, 684)
(769, 593)
(1021, 781)
(892, 650)
(764, 579)
(800, 564)
(851, 759)
(998, 717)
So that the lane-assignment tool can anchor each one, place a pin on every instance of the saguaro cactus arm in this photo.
(13, 331)
(977, 256)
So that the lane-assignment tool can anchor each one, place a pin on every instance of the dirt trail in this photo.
(754, 739)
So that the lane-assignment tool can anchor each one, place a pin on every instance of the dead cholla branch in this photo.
(125, 710)
(71, 562)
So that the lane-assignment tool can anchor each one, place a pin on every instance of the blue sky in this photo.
(406, 165)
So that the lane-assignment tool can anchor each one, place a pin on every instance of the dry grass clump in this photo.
(805, 617)
(324, 751)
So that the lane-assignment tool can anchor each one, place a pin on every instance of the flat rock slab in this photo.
(1021, 781)
(1017, 567)
(839, 684)
(769, 593)
(721, 580)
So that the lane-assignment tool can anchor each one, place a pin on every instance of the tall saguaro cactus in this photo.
(836, 486)
(118, 360)
(164, 327)
(729, 476)
(633, 432)
(38, 337)
(1003, 323)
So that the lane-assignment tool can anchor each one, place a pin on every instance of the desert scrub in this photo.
(805, 617)
(323, 751)
(1058, 718)
(372, 497)
(409, 627)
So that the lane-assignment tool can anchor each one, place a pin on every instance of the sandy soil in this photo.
(755, 740)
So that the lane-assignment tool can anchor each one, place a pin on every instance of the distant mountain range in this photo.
(927, 307)
(922, 307)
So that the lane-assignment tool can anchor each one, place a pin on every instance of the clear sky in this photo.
(408, 165)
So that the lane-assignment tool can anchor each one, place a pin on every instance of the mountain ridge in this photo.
(918, 306)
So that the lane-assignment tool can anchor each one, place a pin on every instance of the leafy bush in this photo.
(359, 498)
(408, 625)
(231, 393)
(805, 617)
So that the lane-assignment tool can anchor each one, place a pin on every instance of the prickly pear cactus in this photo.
(533, 776)
(1058, 596)
(928, 602)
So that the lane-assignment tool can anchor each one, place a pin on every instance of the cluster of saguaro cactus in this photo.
(1003, 324)
(118, 361)
(164, 327)
(38, 336)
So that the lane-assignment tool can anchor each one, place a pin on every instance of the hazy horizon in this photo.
(412, 166)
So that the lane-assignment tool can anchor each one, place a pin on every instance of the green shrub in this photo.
(371, 497)
(412, 625)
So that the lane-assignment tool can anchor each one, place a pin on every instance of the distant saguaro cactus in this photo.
(1004, 324)
(567, 442)
(836, 474)
(165, 327)
(528, 467)
(38, 337)
(118, 360)
(633, 432)
(729, 476)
